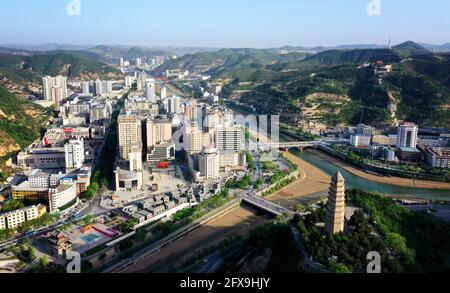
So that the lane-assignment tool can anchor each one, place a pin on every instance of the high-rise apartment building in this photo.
(85, 87)
(173, 105)
(74, 155)
(195, 139)
(158, 131)
(150, 91)
(55, 89)
(407, 135)
(230, 139)
(163, 93)
(209, 164)
(129, 132)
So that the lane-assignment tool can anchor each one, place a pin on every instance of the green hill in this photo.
(222, 63)
(357, 56)
(419, 85)
(21, 68)
(408, 49)
(126, 52)
(20, 122)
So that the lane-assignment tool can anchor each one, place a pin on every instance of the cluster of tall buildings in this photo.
(143, 62)
(55, 89)
(97, 87)
(58, 167)
(214, 143)
(408, 144)
(208, 135)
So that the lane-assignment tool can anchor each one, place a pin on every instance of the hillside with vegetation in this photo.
(19, 68)
(408, 242)
(127, 52)
(21, 123)
(419, 84)
(226, 63)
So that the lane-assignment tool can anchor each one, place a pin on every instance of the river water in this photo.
(354, 181)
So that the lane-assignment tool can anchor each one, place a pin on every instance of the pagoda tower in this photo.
(334, 223)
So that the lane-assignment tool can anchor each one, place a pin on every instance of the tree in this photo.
(43, 261)
(12, 205)
(339, 268)
(299, 208)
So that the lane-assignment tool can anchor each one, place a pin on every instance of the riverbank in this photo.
(396, 181)
(312, 184)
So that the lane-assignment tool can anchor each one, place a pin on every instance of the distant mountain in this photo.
(48, 47)
(357, 56)
(127, 52)
(436, 48)
(408, 49)
(320, 49)
(225, 60)
(19, 68)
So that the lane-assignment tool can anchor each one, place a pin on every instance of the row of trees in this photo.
(103, 173)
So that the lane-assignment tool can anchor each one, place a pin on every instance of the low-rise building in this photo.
(146, 204)
(62, 195)
(59, 244)
(156, 210)
(437, 157)
(360, 140)
(381, 139)
(24, 191)
(162, 152)
(42, 158)
(128, 180)
(14, 219)
(169, 205)
(409, 155)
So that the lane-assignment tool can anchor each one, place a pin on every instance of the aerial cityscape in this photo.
(129, 146)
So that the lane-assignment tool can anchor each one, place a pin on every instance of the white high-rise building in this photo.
(74, 154)
(109, 86)
(98, 88)
(407, 135)
(122, 63)
(209, 163)
(173, 105)
(230, 139)
(138, 61)
(85, 87)
(129, 80)
(150, 91)
(55, 88)
(163, 93)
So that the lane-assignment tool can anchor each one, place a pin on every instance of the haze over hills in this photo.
(275, 83)
(182, 50)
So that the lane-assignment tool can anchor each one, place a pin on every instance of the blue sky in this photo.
(223, 23)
